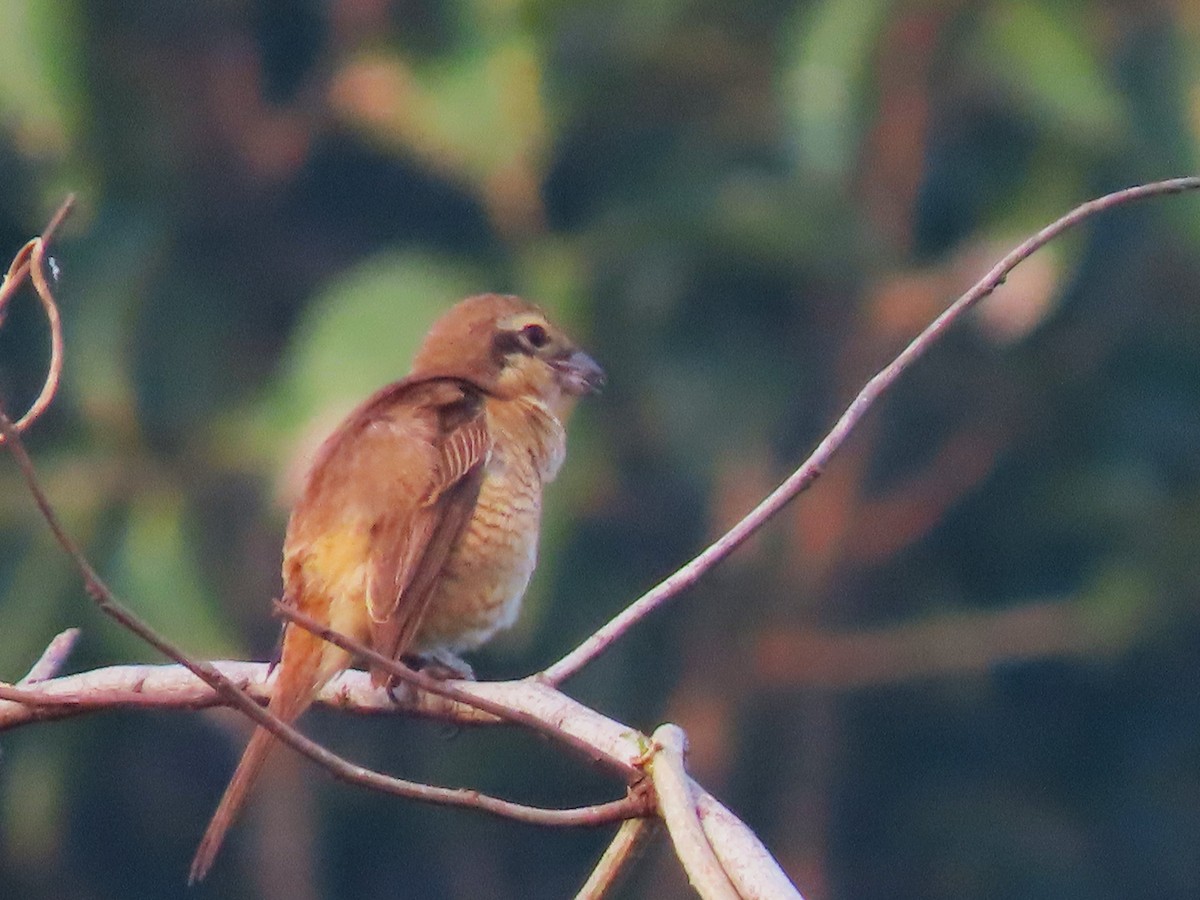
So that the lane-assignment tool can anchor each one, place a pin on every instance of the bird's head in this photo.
(509, 349)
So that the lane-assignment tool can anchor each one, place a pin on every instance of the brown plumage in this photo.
(417, 529)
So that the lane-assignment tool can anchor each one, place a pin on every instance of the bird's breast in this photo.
(486, 573)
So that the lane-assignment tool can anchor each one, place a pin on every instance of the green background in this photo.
(966, 664)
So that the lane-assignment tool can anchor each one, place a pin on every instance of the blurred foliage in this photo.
(964, 665)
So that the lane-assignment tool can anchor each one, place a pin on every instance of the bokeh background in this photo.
(966, 664)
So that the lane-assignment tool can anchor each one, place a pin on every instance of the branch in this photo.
(611, 743)
(686, 804)
(458, 691)
(750, 866)
(812, 467)
(630, 838)
(677, 806)
(30, 261)
(53, 658)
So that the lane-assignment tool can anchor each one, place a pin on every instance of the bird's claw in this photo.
(444, 666)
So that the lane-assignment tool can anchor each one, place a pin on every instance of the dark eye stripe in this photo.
(506, 342)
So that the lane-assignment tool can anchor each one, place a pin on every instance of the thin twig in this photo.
(53, 657)
(628, 842)
(31, 261)
(808, 472)
(677, 806)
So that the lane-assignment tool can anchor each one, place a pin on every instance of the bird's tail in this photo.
(308, 662)
(235, 795)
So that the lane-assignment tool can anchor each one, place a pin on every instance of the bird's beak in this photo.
(579, 373)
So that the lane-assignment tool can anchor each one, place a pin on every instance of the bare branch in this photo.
(31, 261)
(53, 658)
(161, 687)
(808, 472)
(749, 865)
(452, 691)
(628, 842)
(677, 806)
(611, 744)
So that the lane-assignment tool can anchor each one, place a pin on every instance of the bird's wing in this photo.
(410, 548)
(406, 467)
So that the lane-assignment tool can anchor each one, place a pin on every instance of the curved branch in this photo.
(677, 806)
(812, 467)
(30, 261)
(750, 866)
(175, 687)
(630, 838)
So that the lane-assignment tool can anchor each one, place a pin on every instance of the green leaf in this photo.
(42, 94)
(357, 335)
(1046, 56)
(831, 51)
(156, 572)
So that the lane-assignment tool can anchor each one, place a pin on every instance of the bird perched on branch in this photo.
(417, 529)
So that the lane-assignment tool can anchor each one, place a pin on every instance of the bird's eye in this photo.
(535, 335)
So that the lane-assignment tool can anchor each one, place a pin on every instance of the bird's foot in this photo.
(401, 692)
(444, 666)
(441, 665)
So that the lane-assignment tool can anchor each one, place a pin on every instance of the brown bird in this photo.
(417, 529)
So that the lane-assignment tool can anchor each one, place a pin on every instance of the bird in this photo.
(416, 531)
